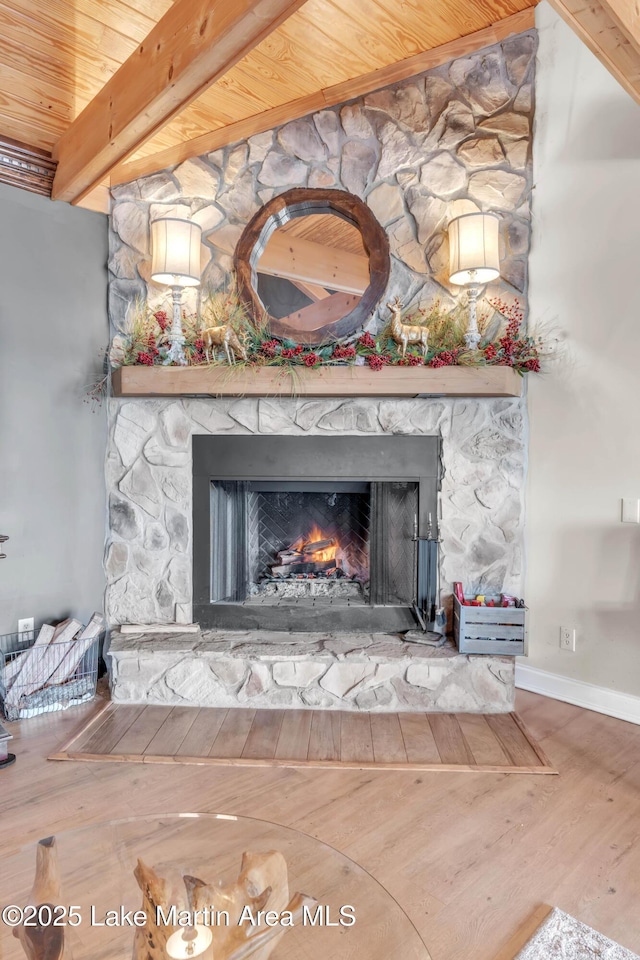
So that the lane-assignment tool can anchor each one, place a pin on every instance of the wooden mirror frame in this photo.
(305, 201)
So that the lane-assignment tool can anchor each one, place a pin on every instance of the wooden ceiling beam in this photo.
(293, 258)
(314, 291)
(193, 45)
(327, 97)
(626, 14)
(611, 30)
(319, 314)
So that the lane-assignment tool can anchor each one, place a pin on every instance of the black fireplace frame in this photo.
(375, 459)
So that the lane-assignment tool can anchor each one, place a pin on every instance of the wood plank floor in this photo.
(469, 858)
(323, 738)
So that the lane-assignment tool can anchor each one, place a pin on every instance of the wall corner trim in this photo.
(622, 706)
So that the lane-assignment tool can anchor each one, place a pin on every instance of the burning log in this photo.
(308, 566)
(318, 545)
(289, 556)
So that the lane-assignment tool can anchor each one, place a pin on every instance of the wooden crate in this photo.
(497, 630)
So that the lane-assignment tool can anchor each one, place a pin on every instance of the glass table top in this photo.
(345, 913)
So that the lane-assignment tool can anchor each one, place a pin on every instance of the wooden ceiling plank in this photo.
(329, 96)
(376, 38)
(249, 85)
(334, 37)
(303, 30)
(40, 122)
(68, 77)
(55, 101)
(426, 22)
(83, 31)
(188, 50)
(154, 9)
(50, 41)
(17, 129)
(601, 34)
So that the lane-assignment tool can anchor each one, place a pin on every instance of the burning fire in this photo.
(316, 535)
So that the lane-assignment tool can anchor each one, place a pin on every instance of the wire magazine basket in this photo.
(40, 679)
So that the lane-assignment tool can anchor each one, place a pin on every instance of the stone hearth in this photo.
(375, 672)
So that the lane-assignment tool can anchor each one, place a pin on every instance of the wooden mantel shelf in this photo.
(347, 381)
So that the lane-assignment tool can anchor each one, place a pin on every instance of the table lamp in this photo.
(474, 259)
(175, 261)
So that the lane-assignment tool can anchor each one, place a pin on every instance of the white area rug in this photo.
(562, 937)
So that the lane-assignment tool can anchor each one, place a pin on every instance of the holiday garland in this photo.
(504, 341)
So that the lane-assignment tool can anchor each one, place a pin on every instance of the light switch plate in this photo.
(630, 510)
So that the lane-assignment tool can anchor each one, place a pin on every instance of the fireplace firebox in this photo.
(315, 533)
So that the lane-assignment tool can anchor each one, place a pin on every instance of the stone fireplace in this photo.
(457, 136)
(150, 476)
(153, 446)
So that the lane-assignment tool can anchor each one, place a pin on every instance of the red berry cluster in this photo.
(343, 353)
(513, 349)
(378, 360)
(145, 358)
(162, 319)
(447, 358)
(310, 359)
(287, 353)
(412, 360)
(269, 348)
(366, 340)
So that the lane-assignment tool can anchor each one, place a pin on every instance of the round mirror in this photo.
(316, 262)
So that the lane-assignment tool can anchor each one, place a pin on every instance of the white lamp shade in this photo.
(175, 252)
(474, 250)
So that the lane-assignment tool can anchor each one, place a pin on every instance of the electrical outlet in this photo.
(24, 626)
(630, 510)
(568, 638)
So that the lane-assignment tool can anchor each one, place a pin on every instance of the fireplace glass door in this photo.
(290, 552)
(313, 543)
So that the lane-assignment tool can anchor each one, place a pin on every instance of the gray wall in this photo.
(584, 454)
(53, 326)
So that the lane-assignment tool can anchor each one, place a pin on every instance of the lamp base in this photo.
(176, 337)
(472, 337)
(176, 352)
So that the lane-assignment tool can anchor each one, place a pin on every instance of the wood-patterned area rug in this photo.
(494, 743)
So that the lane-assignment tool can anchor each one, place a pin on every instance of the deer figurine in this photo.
(223, 336)
(406, 333)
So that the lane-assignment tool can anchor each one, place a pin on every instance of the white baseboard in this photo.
(623, 706)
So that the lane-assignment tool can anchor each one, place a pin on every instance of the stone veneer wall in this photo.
(414, 152)
(149, 481)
